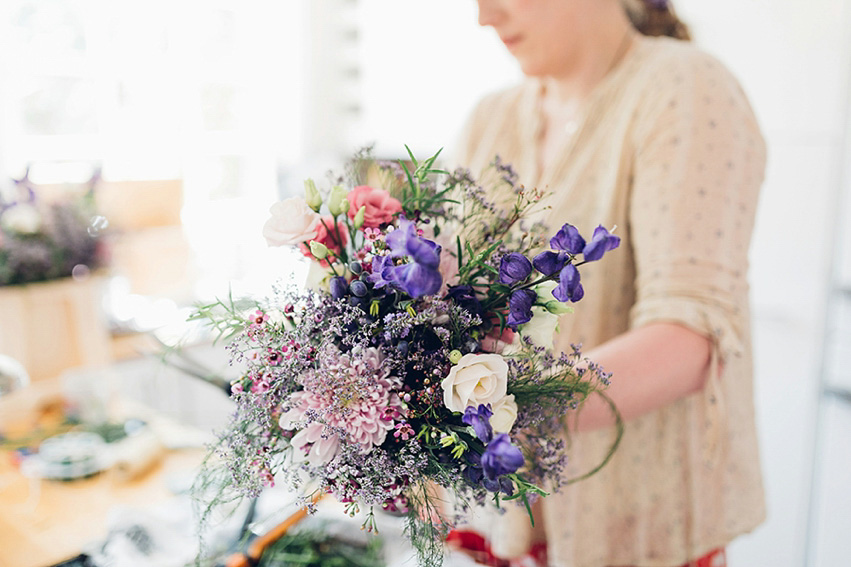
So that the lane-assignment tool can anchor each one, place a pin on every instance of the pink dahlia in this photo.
(350, 397)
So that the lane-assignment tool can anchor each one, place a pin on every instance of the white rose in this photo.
(504, 414)
(292, 222)
(541, 328)
(476, 379)
(22, 218)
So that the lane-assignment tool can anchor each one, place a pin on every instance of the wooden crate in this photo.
(52, 326)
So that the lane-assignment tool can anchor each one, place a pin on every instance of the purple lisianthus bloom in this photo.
(514, 268)
(474, 472)
(568, 239)
(601, 242)
(382, 271)
(549, 262)
(569, 288)
(520, 307)
(404, 241)
(420, 277)
(479, 418)
(464, 296)
(416, 279)
(501, 457)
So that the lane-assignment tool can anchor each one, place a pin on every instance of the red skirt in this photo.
(477, 547)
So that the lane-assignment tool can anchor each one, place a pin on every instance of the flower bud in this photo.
(318, 250)
(455, 356)
(358, 222)
(311, 195)
(358, 288)
(557, 307)
(339, 287)
(337, 202)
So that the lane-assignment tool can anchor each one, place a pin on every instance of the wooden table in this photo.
(43, 522)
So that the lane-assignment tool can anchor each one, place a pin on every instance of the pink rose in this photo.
(380, 206)
(331, 240)
(292, 222)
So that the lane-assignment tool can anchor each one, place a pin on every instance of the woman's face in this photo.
(540, 34)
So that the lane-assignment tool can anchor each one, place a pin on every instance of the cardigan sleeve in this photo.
(698, 166)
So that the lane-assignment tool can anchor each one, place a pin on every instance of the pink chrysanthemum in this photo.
(350, 397)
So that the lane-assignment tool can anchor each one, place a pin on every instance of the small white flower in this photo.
(542, 328)
(504, 414)
(22, 218)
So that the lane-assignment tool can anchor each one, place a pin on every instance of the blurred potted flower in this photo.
(42, 241)
(50, 292)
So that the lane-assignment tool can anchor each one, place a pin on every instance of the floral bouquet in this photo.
(42, 241)
(422, 359)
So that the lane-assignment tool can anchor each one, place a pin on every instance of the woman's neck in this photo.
(564, 95)
(603, 47)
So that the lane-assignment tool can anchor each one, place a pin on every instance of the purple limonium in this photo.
(501, 457)
(569, 288)
(479, 419)
(601, 242)
(520, 307)
(514, 268)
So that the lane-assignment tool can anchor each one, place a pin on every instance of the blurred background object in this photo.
(13, 375)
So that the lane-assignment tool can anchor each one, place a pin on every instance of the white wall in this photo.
(793, 60)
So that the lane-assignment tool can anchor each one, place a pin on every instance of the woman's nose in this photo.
(488, 12)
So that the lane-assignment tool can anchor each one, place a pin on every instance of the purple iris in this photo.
(520, 307)
(421, 276)
(549, 262)
(514, 268)
(501, 457)
(568, 242)
(464, 296)
(416, 279)
(474, 472)
(568, 239)
(569, 288)
(404, 241)
(479, 418)
(382, 271)
(601, 242)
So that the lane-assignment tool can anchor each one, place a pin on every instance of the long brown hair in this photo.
(656, 18)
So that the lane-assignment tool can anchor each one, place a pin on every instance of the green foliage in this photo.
(314, 547)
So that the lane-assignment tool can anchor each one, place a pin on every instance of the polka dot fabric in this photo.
(668, 150)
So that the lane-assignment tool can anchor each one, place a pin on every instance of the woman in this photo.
(656, 137)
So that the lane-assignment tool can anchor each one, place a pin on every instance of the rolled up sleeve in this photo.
(699, 164)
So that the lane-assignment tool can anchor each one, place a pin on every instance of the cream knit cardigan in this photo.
(669, 151)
